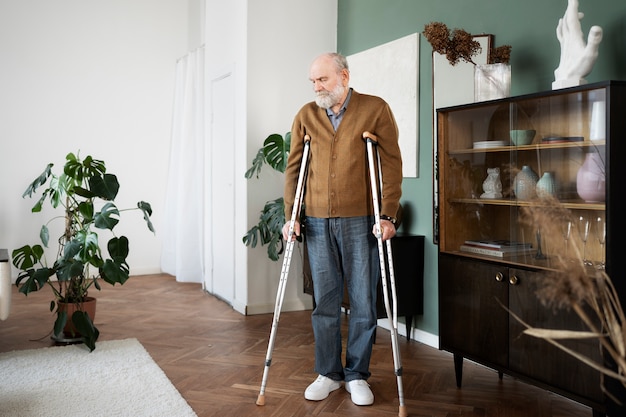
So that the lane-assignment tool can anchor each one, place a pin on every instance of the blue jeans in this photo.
(343, 249)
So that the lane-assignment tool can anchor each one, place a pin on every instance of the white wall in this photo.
(283, 39)
(269, 46)
(94, 76)
(99, 77)
(225, 53)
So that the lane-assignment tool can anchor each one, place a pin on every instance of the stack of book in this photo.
(499, 248)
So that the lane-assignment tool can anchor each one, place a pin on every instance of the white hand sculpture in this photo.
(577, 59)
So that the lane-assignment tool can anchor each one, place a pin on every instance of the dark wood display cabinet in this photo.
(408, 259)
(481, 290)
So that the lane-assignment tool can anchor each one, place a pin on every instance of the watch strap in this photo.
(389, 218)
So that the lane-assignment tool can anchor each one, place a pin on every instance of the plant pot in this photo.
(88, 306)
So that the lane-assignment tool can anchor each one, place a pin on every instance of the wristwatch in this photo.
(391, 219)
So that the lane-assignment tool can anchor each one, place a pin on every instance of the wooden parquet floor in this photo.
(215, 356)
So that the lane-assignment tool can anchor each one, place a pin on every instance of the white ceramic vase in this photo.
(597, 124)
(546, 186)
(492, 81)
(525, 184)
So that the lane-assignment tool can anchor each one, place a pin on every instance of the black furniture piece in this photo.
(480, 291)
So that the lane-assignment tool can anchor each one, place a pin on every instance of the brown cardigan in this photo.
(338, 182)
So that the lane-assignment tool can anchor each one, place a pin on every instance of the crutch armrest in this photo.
(368, 136)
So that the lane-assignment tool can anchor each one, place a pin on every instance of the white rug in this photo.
(119, 378)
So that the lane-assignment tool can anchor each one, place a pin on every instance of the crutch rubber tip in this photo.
(402, 411)
(260, 400)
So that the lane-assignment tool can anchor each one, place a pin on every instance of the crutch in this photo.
(371, 141)
(284, 273)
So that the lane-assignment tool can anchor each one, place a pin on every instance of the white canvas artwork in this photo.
(454, 84)
(391, 71)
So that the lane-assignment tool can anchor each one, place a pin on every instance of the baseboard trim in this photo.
(418, 335)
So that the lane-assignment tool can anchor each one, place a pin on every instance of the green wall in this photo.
(528, 26)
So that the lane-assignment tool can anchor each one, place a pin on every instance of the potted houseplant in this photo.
(268, 230)
(85, 194)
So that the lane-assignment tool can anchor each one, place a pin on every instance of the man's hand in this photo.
(296, 230)
(388, 230)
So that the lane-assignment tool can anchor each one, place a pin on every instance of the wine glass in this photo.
(601, 235)
(583, 231)
(567, 233)
(540, 254)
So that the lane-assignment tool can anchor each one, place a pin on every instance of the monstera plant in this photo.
(84, 193)
(268, 231)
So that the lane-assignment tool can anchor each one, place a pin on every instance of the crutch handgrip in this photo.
(370, 137)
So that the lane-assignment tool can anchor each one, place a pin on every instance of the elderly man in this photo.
(339, 220)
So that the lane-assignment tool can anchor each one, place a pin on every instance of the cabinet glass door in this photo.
(505, 161)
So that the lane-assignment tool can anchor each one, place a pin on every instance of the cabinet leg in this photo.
(500, 375)
(458, 369)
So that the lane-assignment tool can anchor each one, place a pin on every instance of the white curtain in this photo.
(183, 217)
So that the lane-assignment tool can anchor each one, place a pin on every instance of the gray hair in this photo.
(339, 60)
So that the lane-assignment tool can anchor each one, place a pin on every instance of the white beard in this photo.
(327, 99)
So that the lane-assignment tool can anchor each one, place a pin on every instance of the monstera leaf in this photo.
(268, 231)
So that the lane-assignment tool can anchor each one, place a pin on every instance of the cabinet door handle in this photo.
(499, 277)
(513, 280)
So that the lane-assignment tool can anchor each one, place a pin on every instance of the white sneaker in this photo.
(360, 392)
(321, 388)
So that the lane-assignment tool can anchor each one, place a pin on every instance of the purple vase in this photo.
(590, 180)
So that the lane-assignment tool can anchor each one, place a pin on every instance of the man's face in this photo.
(328, 84)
